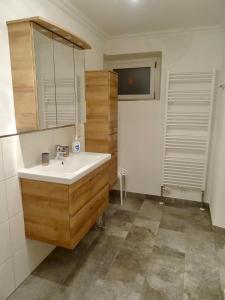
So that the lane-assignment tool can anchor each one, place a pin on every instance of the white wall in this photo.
(216, 178)
(18, 256)
(141, 123)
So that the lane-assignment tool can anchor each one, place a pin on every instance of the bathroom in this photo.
(160, 240)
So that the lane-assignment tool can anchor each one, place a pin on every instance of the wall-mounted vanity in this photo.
(47, 64)
(61, 202)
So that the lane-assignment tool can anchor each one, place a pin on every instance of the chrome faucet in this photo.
(60, 152)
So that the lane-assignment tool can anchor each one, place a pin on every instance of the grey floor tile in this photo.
(96, 264)
(119, 223)
(140, 238)
(115, 290)
(153, 226)
(219, 239)
(170, 242)
(165, 278)
(202, 285)
(57, 266)
(105, 251)
(201, 268)
(130, 268)
(150, 210)
(174, 218)
(35, 288)
(129, 203)
(147, 252)
(198, 220)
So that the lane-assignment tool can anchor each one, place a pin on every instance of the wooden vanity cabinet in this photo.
(62, 214)
(102, 119)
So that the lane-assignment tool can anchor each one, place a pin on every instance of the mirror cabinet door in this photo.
(64, 81)
(45, 76)
(79, 65)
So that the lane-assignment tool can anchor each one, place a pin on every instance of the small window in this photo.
(138, 75)
(134, 81)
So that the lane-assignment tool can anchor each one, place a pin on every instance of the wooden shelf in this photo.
(66, 34)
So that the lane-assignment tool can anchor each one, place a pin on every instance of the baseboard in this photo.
(168, 200)
(218, 229)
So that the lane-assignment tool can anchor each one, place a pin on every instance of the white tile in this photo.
(21, 265)
(2, 175)
(12, 156)
(3, 202)
(7, 281)
(37, 252)
(33, 144)
(5, 247)
(17, 232)
(13, 196)
(63, 136)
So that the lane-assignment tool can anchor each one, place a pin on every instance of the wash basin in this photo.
(67, 171)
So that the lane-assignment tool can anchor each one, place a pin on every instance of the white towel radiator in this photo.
(189, 102)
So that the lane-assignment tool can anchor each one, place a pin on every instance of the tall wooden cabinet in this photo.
(101, 123)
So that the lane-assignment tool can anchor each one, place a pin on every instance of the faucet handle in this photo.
(58, 148)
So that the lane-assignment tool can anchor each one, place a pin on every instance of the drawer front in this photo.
(46, 211)
(89, 213)
(97, 78)
(85, 189)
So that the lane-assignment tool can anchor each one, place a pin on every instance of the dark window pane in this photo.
(134, 81)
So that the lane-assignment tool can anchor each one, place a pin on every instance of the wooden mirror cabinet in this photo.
(48, 74)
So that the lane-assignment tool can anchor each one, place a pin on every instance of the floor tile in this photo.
(95, 264)
(198, 220)
(35, 288)
(153, 226)
(220, 256)
(57, 266)
(140, 238)
(173, 218)
(201, 280)
(165, 278)
(150, 210)
(147, 252)
(119, 223)
(130, 267)
(129, 203)
(115, 290)
(170, 242)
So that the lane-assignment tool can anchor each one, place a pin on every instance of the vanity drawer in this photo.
(83, 190)
(87, 215)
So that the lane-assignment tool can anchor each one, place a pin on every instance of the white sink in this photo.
(69, 170)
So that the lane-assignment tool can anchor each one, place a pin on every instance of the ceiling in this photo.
(117, 17)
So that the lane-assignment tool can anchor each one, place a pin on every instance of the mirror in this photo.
(45, 77)
(64, 81)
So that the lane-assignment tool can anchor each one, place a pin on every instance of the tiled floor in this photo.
(147, 252)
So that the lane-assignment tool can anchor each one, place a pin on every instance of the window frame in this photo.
(153, 63)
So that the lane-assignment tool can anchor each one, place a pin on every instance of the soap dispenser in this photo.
(76, 145)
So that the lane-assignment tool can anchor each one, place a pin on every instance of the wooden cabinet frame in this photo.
(102, 116)
(24, 69)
